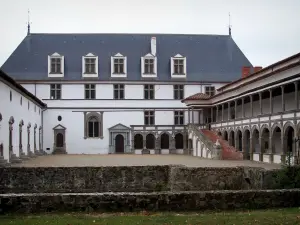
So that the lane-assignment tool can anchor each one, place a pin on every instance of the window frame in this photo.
(184, 72)
(62, 62)
(149, 117)
(118, 56)
(55, 88)
(99, 117)
(148, 88)
(178, 91)
(143, 64)
(84, 72)
(210, 92)
(120, 90)
(91, 89)
(178, 116)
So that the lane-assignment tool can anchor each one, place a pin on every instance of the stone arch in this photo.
(288, 124)
(255, 138)
(274, 126)
(265, 138)
(289, 135)
(225, 135)
(138, 141)
(276, 135)
(253, 128)
(231, 138)
(150, 141)
(246, 128)
(246, 137)
(164, 140)
(179, 141)
(239, 140)
(264, 126)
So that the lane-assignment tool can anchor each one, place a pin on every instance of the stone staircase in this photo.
(228, 151)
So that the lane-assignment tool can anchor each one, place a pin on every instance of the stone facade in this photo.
(155, 201)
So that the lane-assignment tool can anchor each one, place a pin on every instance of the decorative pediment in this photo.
(59, 127)
(149, 55)
(118, 55)
(178, 56)
(55, 54)
(90, 55)
(119, 126)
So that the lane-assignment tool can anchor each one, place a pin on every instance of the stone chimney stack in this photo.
(246, 70)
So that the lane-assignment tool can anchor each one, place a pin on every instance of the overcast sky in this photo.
(265, 30)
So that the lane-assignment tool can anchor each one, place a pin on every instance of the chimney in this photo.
(257, 68)
(153, 46)
(246, 70)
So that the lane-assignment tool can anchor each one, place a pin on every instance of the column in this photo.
(243, 113)
(282, 99)
(296, 95)
(271, 151)
(271, 101)
(260, 148)
(189, 116)
(212, 114)
(260, 103)
(185, 135)
(192, 115)
(251, 105)
(85, 131)
(251, 148)
(235, 109)
(228, 111)
(217, 113)
(222, 112)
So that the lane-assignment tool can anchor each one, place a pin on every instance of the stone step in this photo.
(15, 159)
(153, 201)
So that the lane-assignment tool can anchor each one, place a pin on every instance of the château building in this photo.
(145, 93)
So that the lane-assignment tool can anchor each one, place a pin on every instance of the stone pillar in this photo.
(261, 148)
(184, 139)
(222, 112)
(271, 151)
(228, 111)
(282, 99)
(217, 113)
(235, 109)
(193, 116)
(157, 143)
(212, 114)
(271, 101)
(251, 148)
(296, 95)
(20, 141)
(251, 105)
(132, 141)
(172, 144)
(144, 141)
(243, 113)
(283, 147)
(84, 125)
(189, 116)
(260, 103)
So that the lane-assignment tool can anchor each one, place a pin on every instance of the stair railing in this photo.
(205, 140)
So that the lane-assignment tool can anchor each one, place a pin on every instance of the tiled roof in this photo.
(198, 96)
(210, 58)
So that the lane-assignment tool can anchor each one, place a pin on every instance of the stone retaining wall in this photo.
(160, 201)
(129, 179)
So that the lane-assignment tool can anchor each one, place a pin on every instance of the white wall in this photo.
(19, 112)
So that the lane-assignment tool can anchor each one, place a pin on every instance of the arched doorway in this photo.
(239, 140)
(247, 144)
(150, 141)
(119, 143)
(59, 140)
(164, 141)
(179, 141)
(138, 141)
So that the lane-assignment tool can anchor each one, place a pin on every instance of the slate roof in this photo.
(210, 58)
(198, 96)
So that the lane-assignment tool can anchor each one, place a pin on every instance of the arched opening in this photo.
(138, 141)
(150, 141)
(219, 134)
(93, 127)
(276, 141)
(179, 141)
(225, 135)
(289, 140)
(164, 141)
(119, 143)
(231, 138)
(239, 140)
(59, 140)
(255, 140)
(265, 137)
(247, 144)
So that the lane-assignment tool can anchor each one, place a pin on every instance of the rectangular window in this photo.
(119, 66)
(149, 91)
(178, 91)
(149, 117)
(118, 91)
(55, 65)
(179, 117)
(149, 66)
(90, 91)
(210, 90)
(55, 91)
(90, 65)
(178, 66)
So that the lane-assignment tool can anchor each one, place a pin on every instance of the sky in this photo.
(266, 31)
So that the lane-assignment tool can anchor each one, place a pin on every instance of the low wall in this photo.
(161, 201)
(130, 179)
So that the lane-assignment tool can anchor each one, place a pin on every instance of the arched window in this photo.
(179, 141)
(138, 141)
(93, 127)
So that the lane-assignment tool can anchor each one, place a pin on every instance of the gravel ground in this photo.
(135, 160)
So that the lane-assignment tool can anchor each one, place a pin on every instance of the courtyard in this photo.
(135, 160)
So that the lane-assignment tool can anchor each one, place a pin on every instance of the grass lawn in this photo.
(272, 217)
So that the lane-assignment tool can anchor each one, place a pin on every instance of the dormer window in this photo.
(90, 65)
(178, 66)
(149, 66)
(56, 65)
(118, 65)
